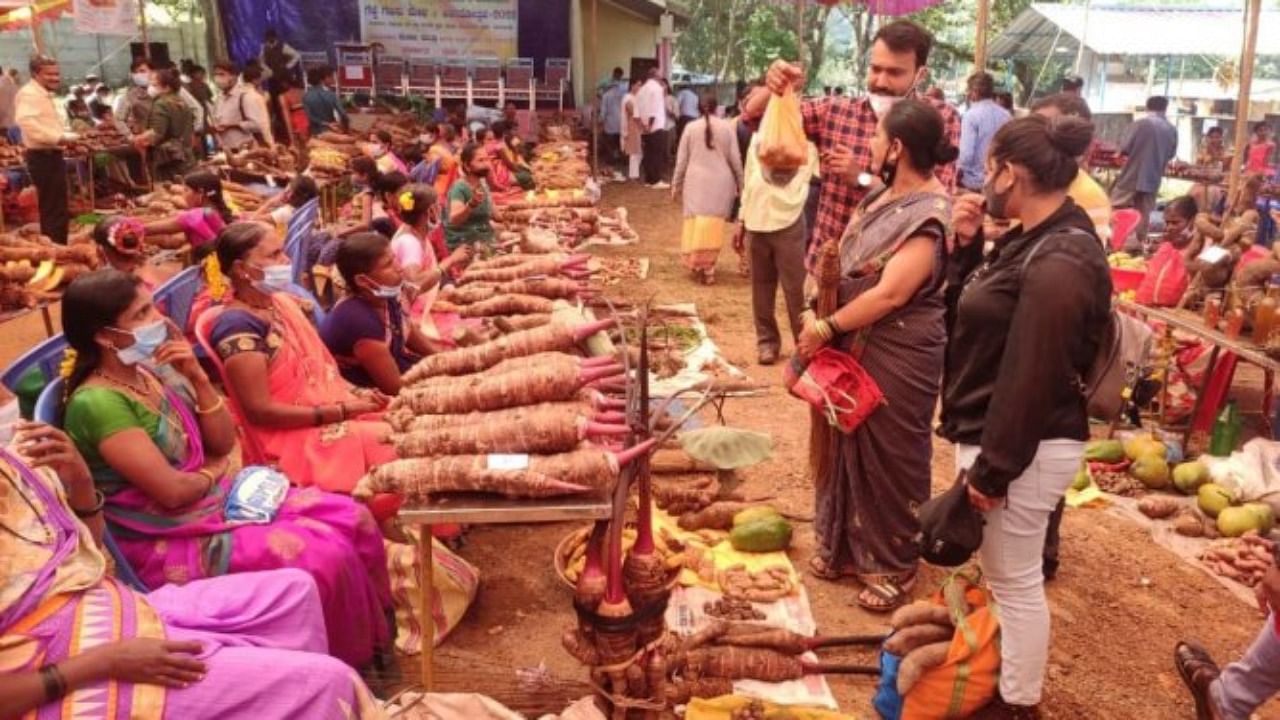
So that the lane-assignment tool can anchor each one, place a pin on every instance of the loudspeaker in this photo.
(159, 53)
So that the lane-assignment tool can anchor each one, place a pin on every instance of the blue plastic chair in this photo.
(47, 412)
(317, 310)
(176, 296)
(47, 356)
(295, 237)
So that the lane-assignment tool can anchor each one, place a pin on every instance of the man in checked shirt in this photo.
(842, 127)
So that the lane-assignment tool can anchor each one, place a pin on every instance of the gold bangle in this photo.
(221, 403)
(831, 323)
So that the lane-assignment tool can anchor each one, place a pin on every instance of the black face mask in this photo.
(888, 171)
(480, 172)
(997, 202)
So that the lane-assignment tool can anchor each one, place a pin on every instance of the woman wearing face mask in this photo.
(369, 332)
(379, 149)
(470, 206)
(206, 215)
(295, 410)
(419, 250)
(1024, 324)
(170, 130)
(161, 445)
(892, 266)
(509, 155)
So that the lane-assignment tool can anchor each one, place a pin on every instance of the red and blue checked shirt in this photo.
(833, 122)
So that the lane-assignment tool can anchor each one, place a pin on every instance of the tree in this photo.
(737, 39)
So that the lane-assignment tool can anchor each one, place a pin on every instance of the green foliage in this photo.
(738, 39)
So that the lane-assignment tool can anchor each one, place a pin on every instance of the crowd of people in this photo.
(952, 234)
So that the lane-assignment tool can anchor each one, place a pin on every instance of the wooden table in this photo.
(1193, 324)
(43, 308)
(475, 509)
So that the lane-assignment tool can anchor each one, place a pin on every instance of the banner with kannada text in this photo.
(441, 28)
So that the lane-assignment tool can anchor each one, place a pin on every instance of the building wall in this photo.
(622, 36)
(104, 55)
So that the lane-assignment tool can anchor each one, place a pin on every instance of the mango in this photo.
(1265, 514)
(1151, 470)
(1105, 451)
(1082, 480)
(1140, 445)
(1212, 499)
(1189, 476)
(1236, 521)
(767, 534)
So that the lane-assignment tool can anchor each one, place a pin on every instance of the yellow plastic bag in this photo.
(783, 145)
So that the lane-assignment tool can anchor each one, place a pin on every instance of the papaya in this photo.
(765, 534)
(752, 514)
(1265, 515)
(1140, 445)
(1104, 451)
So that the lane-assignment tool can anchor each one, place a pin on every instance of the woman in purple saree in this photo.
(162, 449)
(74, 643)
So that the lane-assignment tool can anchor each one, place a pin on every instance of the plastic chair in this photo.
(295, 236)
(176, 296)
(1123, 222)
(48, 403)
(46, 356)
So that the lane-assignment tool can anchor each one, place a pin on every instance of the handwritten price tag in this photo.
(508, 462)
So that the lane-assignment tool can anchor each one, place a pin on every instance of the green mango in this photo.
(1136, 447)
(1265, 514)
(766, 534)
(1212, 499)
(1236, 521)
(1082, 480)
(1105, 451)
(1151, 470)
(1189, 476)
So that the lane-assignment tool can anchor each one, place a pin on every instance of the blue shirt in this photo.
(688, 102)
(323, 108)
(611, 108)
(1149, 146)
(977, 127)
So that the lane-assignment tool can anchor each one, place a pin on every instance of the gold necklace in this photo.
(144, 392)
(149, 397)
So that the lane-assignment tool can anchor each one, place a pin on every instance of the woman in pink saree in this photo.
(296, 412)
(162, 448)
(75, 643)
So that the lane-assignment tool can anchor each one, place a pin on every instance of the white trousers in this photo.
(633, 166)
(1012, 562)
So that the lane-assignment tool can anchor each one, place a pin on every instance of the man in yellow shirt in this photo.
(1084, 190)
(42, 132)
(772, 214)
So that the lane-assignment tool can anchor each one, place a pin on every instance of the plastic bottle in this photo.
(1213, 311)
(1264, 313)
(1235, 322)
(1226, 431)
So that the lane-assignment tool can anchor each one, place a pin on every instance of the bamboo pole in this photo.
(980, 42)
(1251, 16)
(142, 26)
(593, 69)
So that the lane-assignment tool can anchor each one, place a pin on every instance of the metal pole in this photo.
(980, 42)
(1084, 34)
(1251, 11)
(597, 98)
(142, 26)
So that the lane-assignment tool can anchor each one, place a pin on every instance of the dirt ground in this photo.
(1113, 634)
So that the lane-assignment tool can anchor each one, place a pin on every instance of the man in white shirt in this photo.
(42, 135)
(651, 107)
(240, 114)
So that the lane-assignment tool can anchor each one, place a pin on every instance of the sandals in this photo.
(1198, 670)
(886, 593)
(819, 568)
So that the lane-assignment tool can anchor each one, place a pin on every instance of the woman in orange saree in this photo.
(295, 409)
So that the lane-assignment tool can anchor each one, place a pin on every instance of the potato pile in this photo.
(561, 165)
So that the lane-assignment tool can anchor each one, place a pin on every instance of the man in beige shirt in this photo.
(42, 132)
(772, 214)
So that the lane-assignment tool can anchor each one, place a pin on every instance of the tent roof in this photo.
(1043, 28)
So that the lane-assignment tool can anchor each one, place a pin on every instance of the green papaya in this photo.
(752, 514)
(766, 534)
(1151, 470)
(1105, 451)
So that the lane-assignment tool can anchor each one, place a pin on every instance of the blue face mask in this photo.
(275, 278)
(146, 340)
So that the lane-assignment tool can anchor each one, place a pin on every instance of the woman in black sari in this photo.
(890, 316)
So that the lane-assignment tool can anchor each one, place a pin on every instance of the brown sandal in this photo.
(1198, 670)
(886, 593)
(819, 568)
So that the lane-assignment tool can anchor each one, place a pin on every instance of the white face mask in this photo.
(9, 415)
(141, 79)
(153, 91)
(882, 104)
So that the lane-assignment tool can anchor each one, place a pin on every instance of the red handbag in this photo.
(837, 385)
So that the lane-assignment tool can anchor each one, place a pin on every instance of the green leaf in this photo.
(727, 448)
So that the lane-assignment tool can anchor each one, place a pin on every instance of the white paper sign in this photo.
(106, 17)
(352, 72)
(1213, 254)
(508, 462)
